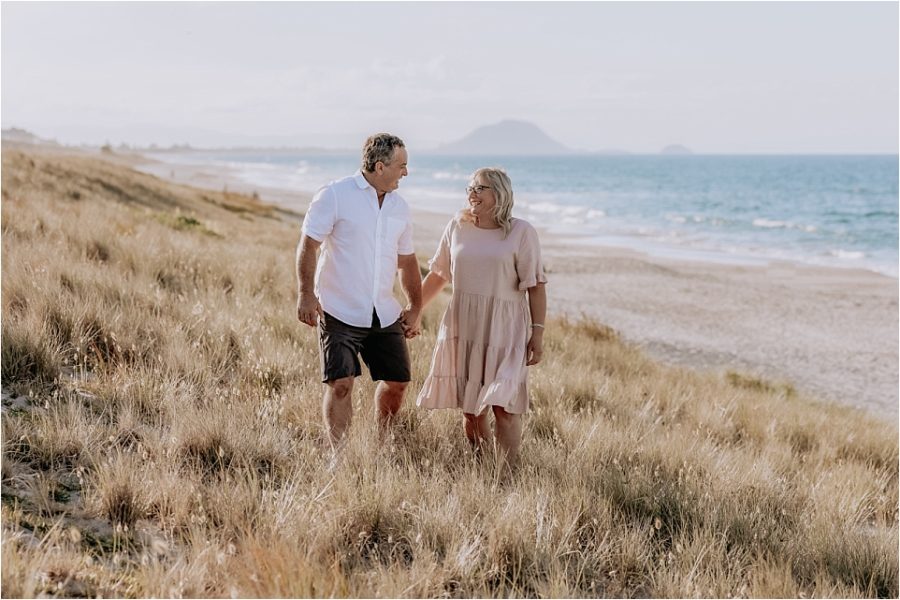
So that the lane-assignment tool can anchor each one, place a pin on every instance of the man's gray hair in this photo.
(379, 148)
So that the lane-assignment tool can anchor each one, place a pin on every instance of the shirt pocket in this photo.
(393, 229)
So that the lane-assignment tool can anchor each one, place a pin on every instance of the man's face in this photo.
(389, 175)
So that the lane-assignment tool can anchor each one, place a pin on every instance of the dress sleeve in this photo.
(440, 263)
(321, 215)
(528, 259)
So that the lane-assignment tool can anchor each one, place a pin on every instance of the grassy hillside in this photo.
(161, 437)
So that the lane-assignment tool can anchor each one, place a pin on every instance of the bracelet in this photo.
(537, 325)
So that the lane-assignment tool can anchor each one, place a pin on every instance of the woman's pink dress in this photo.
(479, 359)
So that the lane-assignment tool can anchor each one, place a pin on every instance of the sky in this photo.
(717, 77)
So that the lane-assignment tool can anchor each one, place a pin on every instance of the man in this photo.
(364, 228)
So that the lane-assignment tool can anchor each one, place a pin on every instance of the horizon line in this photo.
(187, 147)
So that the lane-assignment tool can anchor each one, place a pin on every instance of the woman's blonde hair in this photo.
(497, 179)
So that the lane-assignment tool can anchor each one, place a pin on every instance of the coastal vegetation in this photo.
(161, 436)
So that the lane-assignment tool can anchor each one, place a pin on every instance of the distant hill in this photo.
(676, 149)
(22, 136)
(506, 137)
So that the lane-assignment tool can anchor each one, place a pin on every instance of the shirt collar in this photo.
(361, 182)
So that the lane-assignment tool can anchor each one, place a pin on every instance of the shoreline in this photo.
(832, 332)
(686, 231)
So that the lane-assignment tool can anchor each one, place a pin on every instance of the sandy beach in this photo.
(830, 332)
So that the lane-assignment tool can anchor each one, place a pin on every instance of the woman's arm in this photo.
(537, 302)
(431, 287)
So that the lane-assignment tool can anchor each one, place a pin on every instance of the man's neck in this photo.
(381, 194)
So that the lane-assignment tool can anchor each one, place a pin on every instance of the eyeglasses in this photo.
(477, 189)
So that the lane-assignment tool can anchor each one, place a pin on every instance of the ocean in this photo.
(839, 211)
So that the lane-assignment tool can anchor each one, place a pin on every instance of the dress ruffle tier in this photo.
(470, 370)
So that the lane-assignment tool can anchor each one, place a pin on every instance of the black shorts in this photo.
(383, 349)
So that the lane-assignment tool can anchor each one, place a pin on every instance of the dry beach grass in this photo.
(161, 437)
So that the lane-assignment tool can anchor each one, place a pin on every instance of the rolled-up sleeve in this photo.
(528, 260)
(321, 215)
(405, 243)
(440, 263)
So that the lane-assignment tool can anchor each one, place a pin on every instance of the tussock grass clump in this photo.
(120, 498)
(28, 359)
(59, 434)
(757, 384)
(161, 437)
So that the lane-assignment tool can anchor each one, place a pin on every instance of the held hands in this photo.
(535, 349)
(411, 322)
(308, 309)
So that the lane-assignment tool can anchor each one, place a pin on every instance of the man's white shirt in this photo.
(360, 243)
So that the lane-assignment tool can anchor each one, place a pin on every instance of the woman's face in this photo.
(481, 200)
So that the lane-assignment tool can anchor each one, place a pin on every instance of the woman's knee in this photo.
(506, 421)
(500, 414)
(477, 421)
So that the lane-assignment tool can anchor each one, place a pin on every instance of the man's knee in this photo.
(341, 388)
(396, 387)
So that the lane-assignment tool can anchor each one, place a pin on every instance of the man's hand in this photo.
(308, 309)
(411, 322)
(535, 349)
(411, 282)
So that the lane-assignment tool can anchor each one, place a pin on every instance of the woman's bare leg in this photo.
(508, 432)
(477, 430)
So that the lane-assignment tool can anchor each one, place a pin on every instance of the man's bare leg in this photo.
(337, 409)
(388, 400)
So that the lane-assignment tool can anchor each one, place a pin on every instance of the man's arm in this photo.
(411, 282)
(308, 307)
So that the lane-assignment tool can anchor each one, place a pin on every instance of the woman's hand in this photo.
(534, 352)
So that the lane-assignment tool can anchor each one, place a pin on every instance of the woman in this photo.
(493, 328)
